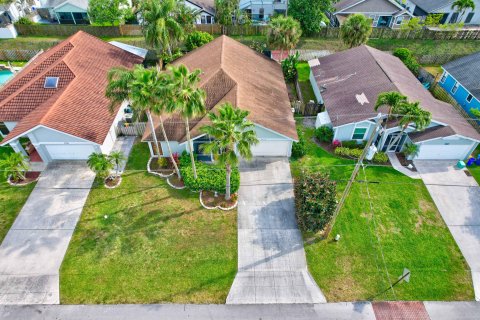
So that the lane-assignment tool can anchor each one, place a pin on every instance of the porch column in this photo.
(17, 147)
(151, 149)
(75, 22)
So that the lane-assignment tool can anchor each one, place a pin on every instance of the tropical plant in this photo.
(283, 33)
(289, 67)
(100, 164)
(476, 113)
(299, 148)
(461, 6)
(324, 134)
(25, 21)
(117, 157)
(159, 24)
(392, 100)
(187, 99)
(231, 134)
(412, 24)
(408, 59)
(197, 39)
(147, 90)
(225, 12)
(186, 17)
(15, 166)
(411, 150)
(433, 19)
(355, 30)
(102, 12)
(310, 14)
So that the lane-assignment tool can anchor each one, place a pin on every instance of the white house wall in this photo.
(107, 145)
(316, 90)
(67, 7)
(345, 132)
(10, 125)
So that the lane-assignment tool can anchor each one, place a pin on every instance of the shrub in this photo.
(24, 21)
(336, 143)
(380, 157)
(197, 39)
(167, 58)
(163, 162)
(298, 148)
(353, 144)
(411, 150)
(289, 67)
(324, 134)
(315, 201)
(209, 177)
(408, 59)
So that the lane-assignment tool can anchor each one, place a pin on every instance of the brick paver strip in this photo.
(400, 311)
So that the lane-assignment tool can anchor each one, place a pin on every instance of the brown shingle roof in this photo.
(78, 105)
(370, 71)
(235, 73)
(431, 133)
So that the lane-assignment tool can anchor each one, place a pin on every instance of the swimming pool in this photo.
(5, 75)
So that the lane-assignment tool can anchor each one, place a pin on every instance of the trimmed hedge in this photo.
(324, 134)
(210, 177)
(352, 144)
(380, 157)
(298, 148)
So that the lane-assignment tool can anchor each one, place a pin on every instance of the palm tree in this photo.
(146, 89)
(117, 157)
(284, 33)
(232, 133)
(461, 7)
(392, 100)
(188, 100)
(355, 30)
(100, 164)
(15, 166)
(159, 25)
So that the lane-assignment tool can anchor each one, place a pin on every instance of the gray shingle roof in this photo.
(368, 71)
(83, 4)
(466, 71)
(431, 133)
(367, 6)
(432, 5)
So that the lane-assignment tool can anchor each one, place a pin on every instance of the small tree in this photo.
(355, 30)
(289, 67)
(310, 14)
(324, 134)
(412, 24)
(315, 200)
(197, 39)
(462, 6)
(225, 12)
(15, 166)
(117, 157)
(104, 12)
(408, 59)
(100, 164)
(186, 17)
(283, 33)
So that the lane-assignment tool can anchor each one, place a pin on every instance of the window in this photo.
(469, 17)
(203, 19)
(359, 133)
(455, 87)
(3, 129)
(399, 20)
(469, 98)
(444, 77)
(454, 17)
(51, 82)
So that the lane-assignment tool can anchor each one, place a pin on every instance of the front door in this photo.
(384, 21)
(397, 143)
(198, 150)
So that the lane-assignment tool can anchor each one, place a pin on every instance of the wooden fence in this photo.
(132, 129)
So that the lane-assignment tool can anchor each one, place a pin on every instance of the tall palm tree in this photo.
(159, 25)
(146, 89)
(461, 7)
(232, 134)
(187, 99)
(391, 99)
(355, 30)
(283, 33)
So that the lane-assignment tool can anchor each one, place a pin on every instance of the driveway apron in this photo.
(272, 266)
(32, 252)
(457, 197)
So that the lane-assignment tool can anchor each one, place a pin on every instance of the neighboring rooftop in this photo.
(432, 5)
(206, 5)
(249, 80)
(82, 4)
(466, 71)
(77, 104)
(364, 72)
(368, 6)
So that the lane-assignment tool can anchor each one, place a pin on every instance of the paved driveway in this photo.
(457, 197)
(272, 266)
(33, 250)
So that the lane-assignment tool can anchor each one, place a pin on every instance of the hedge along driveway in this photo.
(157, 244)
(386, 225)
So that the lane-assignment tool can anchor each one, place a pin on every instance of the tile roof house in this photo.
(232, 72)
(384, 13)
(58, 100)
(460, 79)
(349, 82)
(422, 8)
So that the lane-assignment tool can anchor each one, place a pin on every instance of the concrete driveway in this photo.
(272, 266)
(457, 197)
(32, 252)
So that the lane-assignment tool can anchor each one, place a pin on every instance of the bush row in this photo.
(380, 157)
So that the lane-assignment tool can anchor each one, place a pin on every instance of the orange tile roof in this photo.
(78, 105)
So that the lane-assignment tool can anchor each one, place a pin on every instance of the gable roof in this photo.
(466, 71)
(235, 73)
(432, 5)
(367, 6)
(82, 4)
(206, 5)
(367, 71)
(78, 105)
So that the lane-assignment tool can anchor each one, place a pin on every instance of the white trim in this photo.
(360, 127)
(464, 88)
(455, 86)
(453, 135)
(469, 95)
(273, 131)
(444, 75)
(67, 2)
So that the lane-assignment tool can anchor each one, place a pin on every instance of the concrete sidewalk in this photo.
(32, 252)
(272, 267)
(457, 197)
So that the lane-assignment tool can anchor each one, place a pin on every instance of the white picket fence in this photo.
(132, 129)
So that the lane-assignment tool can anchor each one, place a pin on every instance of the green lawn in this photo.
(11, 199)
(156, 245)
(397, 226)
(303, 70)
(475, 170)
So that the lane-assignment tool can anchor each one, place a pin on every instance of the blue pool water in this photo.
(5, 75)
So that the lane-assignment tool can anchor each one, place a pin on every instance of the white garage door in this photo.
(447, 152)
(272, 148)
(69, 151)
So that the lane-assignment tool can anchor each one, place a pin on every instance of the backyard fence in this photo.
(309, 109)
(131, 129)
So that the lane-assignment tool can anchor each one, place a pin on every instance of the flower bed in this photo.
(176, 183)
(210, 201)
(112, 182)
(30, 176)
(162, 170)
(380, 157)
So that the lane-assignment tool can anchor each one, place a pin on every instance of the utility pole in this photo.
(354, 174)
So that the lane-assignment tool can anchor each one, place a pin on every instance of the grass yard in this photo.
(156, 245)
(391, 226)
(434, 70)
(11, 199)
(475, 170)
(303, 70)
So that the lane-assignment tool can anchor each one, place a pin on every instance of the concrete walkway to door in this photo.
(272, 267)
(457, 197)
(32, 252)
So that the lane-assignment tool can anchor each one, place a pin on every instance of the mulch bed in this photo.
(112, 181)
(173, 180)
(324, 145)
(404, 162)
(209, 199)
(30, 176)
(165, 170)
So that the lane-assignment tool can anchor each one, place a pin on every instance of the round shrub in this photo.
(298, 148)
(408, 59)
(324, 134)
(25, 21)
(197, 39)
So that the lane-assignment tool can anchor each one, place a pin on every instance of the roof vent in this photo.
(51, 82)
(362, 98)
